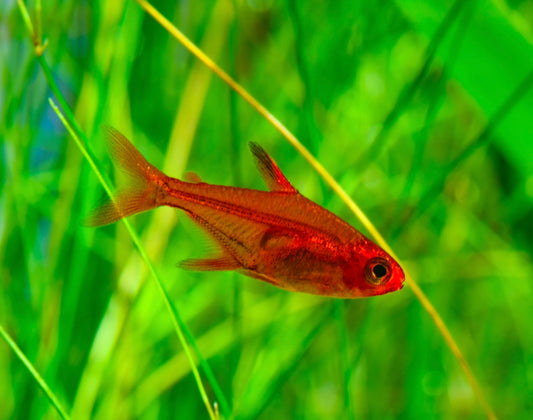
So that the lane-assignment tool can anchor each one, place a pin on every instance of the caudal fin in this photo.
(140, 194)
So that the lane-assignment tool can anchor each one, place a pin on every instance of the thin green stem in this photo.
(26, 17)
(81, 140)
(38, 10)
(38, 378)
(174, 315)
(61, 99)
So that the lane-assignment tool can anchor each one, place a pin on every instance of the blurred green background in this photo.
(422, 110)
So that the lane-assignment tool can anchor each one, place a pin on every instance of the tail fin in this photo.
(142, 191)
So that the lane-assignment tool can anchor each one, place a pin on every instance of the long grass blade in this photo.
(284, 131)
(71, 125)
(38, 378)
(176, 320)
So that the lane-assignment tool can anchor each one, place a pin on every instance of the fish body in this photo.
(277, 236)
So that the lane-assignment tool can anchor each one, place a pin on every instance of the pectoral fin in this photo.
(272, 175)
(259, 276)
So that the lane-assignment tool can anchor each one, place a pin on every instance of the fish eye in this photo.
(377, 271)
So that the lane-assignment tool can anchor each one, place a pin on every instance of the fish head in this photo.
(370, 271)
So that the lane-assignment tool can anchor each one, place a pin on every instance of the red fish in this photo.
(277, 236)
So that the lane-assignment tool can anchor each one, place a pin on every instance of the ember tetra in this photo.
(277, 236)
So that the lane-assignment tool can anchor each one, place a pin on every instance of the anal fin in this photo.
(223, 263)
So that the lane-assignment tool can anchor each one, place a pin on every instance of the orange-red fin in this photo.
(272, 175)
(126, 203)
(128, 158)
(224, 263)
(192, 177)
(141, 192)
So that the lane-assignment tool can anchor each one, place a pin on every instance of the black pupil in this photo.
(379, 271)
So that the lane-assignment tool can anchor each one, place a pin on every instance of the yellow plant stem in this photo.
(454, 348)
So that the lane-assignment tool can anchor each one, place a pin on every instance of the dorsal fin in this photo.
(272, 175)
